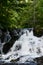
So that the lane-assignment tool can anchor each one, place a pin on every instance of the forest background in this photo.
(21, 13)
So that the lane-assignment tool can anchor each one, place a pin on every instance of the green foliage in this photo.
(20, 14)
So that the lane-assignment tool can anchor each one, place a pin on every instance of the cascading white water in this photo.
(27, 47)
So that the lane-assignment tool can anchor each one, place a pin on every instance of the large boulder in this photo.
(38, 31)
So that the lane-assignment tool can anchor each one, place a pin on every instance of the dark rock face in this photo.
(38, 33)
(14, 34)
(39, 60)
(9, 44)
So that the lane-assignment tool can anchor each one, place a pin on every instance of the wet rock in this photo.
(38, 32)
(15, 60)
(9, 44)
(39, 60)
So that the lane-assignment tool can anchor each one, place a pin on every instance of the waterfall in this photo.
(26, 48)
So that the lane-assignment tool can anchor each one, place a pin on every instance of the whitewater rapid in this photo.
(27, 47)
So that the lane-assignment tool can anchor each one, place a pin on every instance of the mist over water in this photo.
(26, 48)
